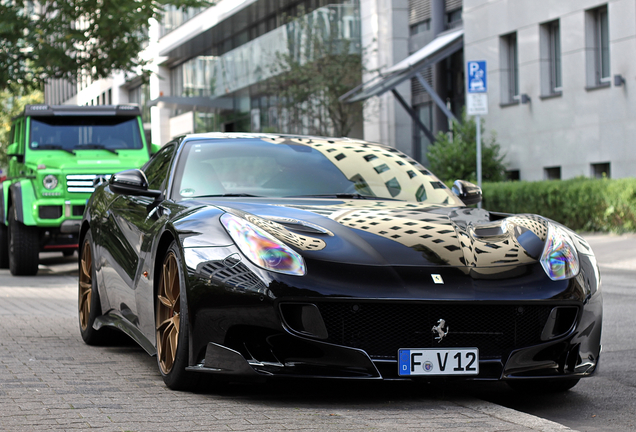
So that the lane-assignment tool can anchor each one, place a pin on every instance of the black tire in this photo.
(171, 305)
(24, 247)
(4, 246)
(88, 303)
(543, 386)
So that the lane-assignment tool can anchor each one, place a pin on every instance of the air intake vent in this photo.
(50, 212)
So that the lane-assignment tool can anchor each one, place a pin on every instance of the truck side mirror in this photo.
(154, 148)
(13, 150)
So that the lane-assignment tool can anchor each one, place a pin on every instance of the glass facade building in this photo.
(236, 67)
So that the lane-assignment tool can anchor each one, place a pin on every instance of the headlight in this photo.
(49, 182)
(261, 248)
(559, 258)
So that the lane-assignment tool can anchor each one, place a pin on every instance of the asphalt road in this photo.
(50, 380)
(606, 401)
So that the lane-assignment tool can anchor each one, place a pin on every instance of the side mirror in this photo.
(467, 192)
(154, 148)
(131, 182)
(13, 151)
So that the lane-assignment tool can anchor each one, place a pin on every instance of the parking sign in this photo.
(476, 73)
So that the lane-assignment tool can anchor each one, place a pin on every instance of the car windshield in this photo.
(289, 167)
(72, 133)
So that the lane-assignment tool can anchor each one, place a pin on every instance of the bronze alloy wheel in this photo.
(85, 285)
(168, 313)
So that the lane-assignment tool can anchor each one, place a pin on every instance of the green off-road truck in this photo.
(58, 155)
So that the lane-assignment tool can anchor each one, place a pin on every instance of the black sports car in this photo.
(264, 256)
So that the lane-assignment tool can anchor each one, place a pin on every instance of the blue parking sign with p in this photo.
(476, 73)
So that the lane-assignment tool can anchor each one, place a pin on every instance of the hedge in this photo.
(582, 204)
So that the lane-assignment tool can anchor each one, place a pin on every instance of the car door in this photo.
(132, 224)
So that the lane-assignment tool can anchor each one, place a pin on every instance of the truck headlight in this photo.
(50, 182)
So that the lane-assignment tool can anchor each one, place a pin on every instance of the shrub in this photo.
(454, 155)
(582, 204)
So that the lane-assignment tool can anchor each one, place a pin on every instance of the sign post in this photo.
(477, 102)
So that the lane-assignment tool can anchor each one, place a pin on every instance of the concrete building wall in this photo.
(580, 127)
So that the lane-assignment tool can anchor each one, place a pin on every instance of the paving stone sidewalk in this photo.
(51, 380)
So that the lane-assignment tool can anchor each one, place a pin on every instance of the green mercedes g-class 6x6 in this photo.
(58, 155)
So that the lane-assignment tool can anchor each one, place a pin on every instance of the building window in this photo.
(597, 47)
(422, 27)
(552, 173)
(425, 113)
(513, 175)
(453, 18)
(550, 58)
(140, 95)
(601, 170)
(510, 69)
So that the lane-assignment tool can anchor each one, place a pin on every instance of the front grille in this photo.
(381, 329)
(84, 183)
(50, 212)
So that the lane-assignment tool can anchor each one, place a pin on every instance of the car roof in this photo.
(272, 136)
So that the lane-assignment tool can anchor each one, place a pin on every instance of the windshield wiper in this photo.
(226, 195)
(343, 196)
(95, 147)
(55, 147)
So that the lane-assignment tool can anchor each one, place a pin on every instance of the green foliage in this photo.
(309, 79)
(11, 105)
(45, 39)
(454, 155)
(582, 204)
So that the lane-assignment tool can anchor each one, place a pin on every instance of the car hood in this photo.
(396, 233)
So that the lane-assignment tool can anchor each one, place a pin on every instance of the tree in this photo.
(454, 155)
(11, 105)
(318, 67)
(44, 39)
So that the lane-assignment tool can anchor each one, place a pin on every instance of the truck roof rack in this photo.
(81, 110)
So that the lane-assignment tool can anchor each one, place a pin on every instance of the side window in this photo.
(157, 168)
(17, 133)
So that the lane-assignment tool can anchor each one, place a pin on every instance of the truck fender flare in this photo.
(3, 205)
(16, 199)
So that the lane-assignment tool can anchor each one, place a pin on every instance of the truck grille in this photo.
(85, 183)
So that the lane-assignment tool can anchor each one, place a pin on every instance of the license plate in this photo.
(433, 361)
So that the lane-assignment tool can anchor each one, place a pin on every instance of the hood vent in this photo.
(300, 226)
(491, 230)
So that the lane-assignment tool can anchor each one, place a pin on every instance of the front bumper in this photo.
(350, 322)
(252, 348)
(290, 356)
(59, 212)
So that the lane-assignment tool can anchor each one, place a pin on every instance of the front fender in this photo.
(22, 198)
(4, 201)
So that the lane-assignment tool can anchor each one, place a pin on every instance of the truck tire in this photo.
(4, 246)
(24, 247)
